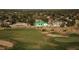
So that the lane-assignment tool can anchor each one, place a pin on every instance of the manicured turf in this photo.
(71, 38)
(34, 39)
(31, 39)
(71, 42)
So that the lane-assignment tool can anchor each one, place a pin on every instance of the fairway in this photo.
(31, 39)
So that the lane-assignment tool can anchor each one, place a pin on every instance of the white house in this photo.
(19, 25)
(56, 23)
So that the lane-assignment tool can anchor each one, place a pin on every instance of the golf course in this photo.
(31, 39)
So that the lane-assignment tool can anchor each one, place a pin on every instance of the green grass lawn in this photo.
(66, 42)
(26, 38)
(30, 39)
(71, 38)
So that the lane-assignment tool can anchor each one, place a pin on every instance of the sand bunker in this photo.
(5, 44)
(56, 35)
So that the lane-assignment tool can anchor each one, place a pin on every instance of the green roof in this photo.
(40, 23)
